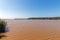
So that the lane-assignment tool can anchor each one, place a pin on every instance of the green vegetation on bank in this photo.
(3, 22)
(44, 18)
(2, 26)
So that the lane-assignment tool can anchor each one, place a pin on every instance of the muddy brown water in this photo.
(33, 30)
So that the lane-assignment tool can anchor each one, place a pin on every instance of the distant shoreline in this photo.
(39, 18)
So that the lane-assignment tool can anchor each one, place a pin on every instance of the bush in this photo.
(2, 26)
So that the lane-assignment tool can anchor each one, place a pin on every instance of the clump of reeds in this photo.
(2, 26)
(3, 22)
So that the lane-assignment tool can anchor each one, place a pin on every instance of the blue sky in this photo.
(29, 8)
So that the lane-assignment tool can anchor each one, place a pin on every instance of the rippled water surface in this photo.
(33, 30)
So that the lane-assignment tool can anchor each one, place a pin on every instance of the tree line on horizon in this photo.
(50, 18)
(32, 18)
